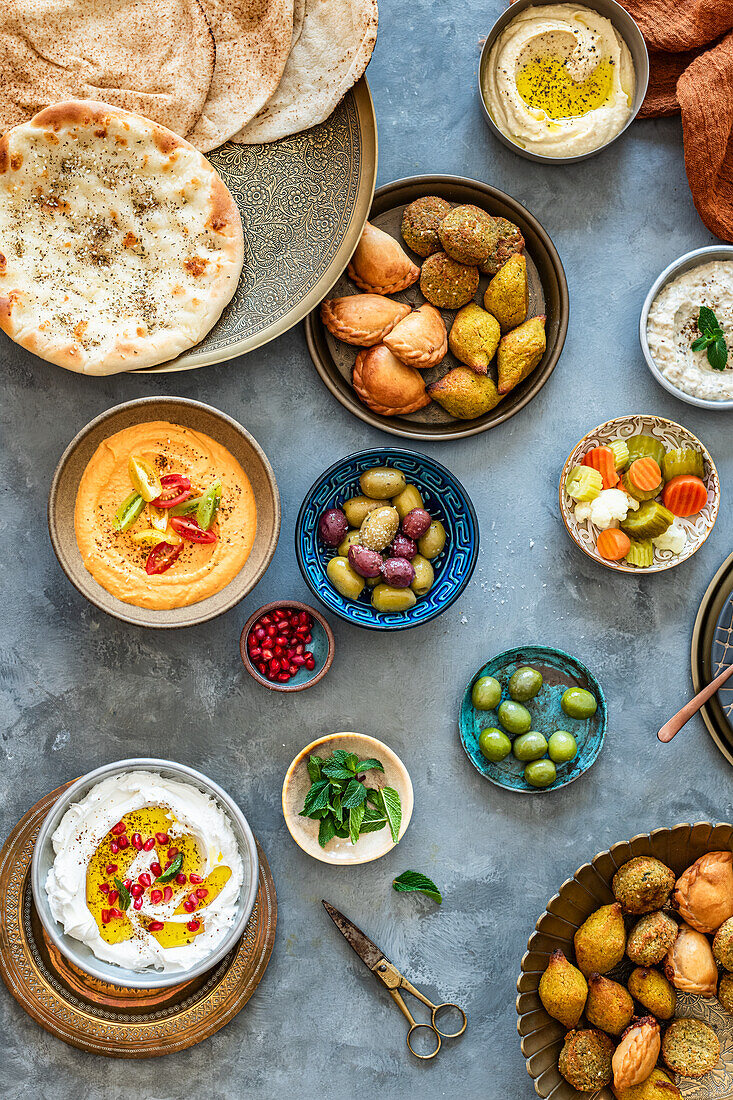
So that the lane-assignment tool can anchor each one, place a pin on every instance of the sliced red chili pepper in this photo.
(161, 557)
(188, 528)
(176, 489)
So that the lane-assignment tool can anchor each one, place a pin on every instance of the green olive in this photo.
(408, 499)
(525, 683)
(579, 703)
(356, 509)
(351, 538)
(433, 541)
(530, 746)
(562, 747)
(382, 482)
(422, 582)
(540, 773)
(486, 693)
(387, 598)
(379, 528)
(514, 717)
(344, 579)
(494, 745)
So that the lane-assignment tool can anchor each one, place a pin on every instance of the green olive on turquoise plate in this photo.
(555, 732)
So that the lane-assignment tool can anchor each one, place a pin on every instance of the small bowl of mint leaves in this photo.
(347, 799)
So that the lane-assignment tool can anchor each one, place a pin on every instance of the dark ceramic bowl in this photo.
(559, 672)
(322, 647)
(190, 414)
(445, 499)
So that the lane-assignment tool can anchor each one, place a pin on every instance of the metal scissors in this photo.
(389, 975)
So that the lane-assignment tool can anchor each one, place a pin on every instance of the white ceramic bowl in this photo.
(77, 952)
(304, 831)
(678, 267)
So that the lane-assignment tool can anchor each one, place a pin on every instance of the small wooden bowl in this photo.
(323, 647)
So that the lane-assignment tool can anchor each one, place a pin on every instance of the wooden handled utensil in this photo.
(669, 729)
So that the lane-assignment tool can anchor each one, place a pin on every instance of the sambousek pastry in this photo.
(120, 245)
(386, 385)
(420, 340)
(380, 265)
(362, 319)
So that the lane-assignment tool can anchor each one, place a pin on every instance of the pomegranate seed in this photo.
(156, 896)
(156, 869)
(123, 842)
(128, 883)
(280, 640)
(111, 868)
(189, 906)
(172, 853)
(308, 638)
(167, 893)
(283, 677)
(180, 878)
(195, 879)
(137, 842)
(114, 847)
(115, 913)
(192, 898)
(292, 669)
(272, 631)
(310, 662)
(104, 887)
(267, 654)
(300, 650)
(136, 890)
(255, 652)
(155, 926)
(274, 665)
(297, 660)
(262, 667)
(112, 896)
(144, 879)
(118, 829)
(149, 844)
(260, 633)
(201, 892)
(279, 615)
(193, 925)
(278, 651)
(162, 838)
(105, 916)
(137, 903)
(266, 619)
(167, 864)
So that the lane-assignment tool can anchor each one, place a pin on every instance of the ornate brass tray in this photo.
(304, 201)
(106, 1019)
(712, 637)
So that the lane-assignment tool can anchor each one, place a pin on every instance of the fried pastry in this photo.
(704, 893)
(362, 319)
(636, 1055)
(380, 265)
(419, 340)
(690, 965)
(386, 385)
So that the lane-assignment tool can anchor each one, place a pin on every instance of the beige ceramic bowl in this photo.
(191, 414)
(304, 831)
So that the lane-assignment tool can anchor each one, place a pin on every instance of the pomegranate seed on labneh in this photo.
(276, 644)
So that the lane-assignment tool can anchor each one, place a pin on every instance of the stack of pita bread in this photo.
(210, 70)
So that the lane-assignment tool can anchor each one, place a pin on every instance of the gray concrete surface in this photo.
(80, 689)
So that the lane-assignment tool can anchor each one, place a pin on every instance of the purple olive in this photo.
(416, 523)
(402, 547)
(332, 526)
(367, 563)
(398, 572)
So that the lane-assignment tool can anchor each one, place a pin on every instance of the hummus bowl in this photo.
(689, 262)
(232, 823)
(230, 443)
(626, 29)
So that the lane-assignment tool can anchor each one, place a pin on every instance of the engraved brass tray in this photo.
(304, 201)
(712, 637)
(105, 1019)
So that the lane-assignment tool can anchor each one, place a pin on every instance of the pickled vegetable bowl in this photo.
(449, 510)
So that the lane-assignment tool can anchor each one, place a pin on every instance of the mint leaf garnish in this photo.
(342, 804)
(707, 322)
(410, 882)
(173, 870)
(718, 354)
(393, 810)
(124, 898)
(712, 339)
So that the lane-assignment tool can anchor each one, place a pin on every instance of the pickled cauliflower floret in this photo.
(609, 507)
(674, 538)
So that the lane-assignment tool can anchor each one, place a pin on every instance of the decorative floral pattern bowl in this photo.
(673, 435)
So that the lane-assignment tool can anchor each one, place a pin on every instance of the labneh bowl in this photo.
(198, 417)
(77, 952)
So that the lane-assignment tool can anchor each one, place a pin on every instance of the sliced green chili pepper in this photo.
(128, 512)
(208, 505)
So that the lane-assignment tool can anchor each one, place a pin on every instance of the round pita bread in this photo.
(331, 54)
(253, 39)
(119, 243)
(154, 57)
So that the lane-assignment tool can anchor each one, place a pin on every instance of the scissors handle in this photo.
(448, 1007)
(426, 1032)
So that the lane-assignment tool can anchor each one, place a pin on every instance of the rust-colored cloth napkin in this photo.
(691, 70)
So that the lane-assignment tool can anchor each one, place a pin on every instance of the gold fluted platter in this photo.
(304, 201)
(711, 652)
(102, 1018)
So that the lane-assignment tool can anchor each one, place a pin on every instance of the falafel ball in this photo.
(690, 1047)
(446, 283)
(467, 234)
(651, 938)
(506, 241)
(725, 992)
(585, 1059)
(643, 884)
(723, 944)
(420, 223)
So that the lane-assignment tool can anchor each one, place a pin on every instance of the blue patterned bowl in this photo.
(559, 671)
(445, 499)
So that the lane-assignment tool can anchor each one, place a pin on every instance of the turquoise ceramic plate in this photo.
(559, 671)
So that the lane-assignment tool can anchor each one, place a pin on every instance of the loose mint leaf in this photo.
(326, 831)
(173, 870)
(707, 322)
(393, 810)
(338, 810)
(374, 819)
(314, 768)
(369, 765)
(718, 354)
(354, 795)
(317, 798)
(341, 755)
(351, 762)
(334, 770)
(375, 797)
(356, 816)
(124, 898)
(410, 882)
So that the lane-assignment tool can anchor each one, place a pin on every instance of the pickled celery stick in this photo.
(651, 519)
(128, 512)
(583, 483)
(620, 453)
(640, 445)
(641, 553)
(685, 460)
(144, 478)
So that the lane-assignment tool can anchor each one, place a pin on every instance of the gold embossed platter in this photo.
(304, 201)
(712, 638)
(104, 1019)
